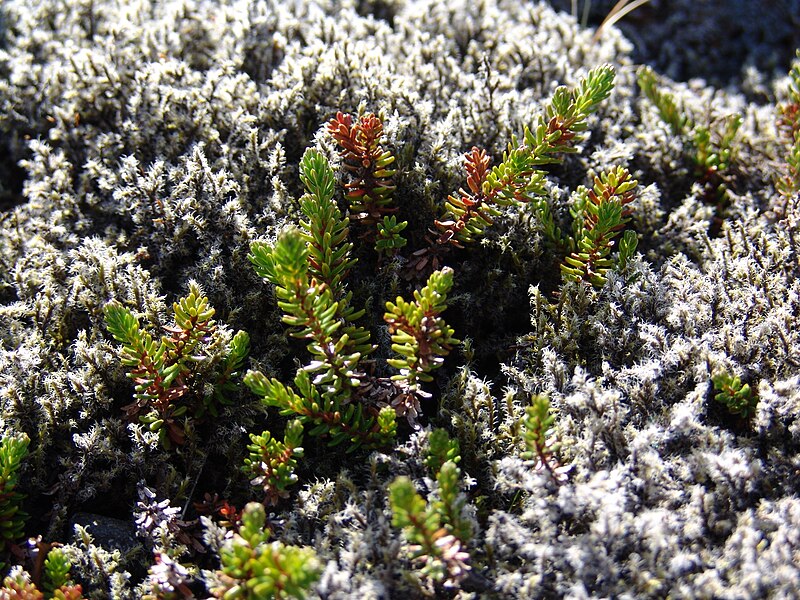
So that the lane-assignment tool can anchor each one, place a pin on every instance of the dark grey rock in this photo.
(109, 533)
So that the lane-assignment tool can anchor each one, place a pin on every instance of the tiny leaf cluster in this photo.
(271, 463)
(737, 396)
(313, 312)
(789, 125)
(253, 568)
(420, 337)
(437, 530)
(369, 192)
(334, 394)
(330, 416)
(537, 435)
(518, 178)
(600, 215)
(171, 374)
(55, 581)
(13, 450)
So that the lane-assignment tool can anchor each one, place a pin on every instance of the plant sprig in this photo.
(170, 375)
(55, 581)
(420, 337)
(442, 459)
(253, 568)
(312, 312)
(537, 436)
(789, 125)
(440, 552)
(600, 214)
(437, 530)
(308, 268)
(325, 231)
(13, 450)
(370, 190)
(271, 463)
(518, 178)
(710, 147)
(737, 396)
(327, 415)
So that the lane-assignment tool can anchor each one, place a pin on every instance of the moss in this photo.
(155, 144)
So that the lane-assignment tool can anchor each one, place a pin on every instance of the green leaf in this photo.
(316, 174)
(737, 396)
(419, 335)
(517, 178)
(13, 450)
(669, 111)
(56, 571)
(271, 464)
(537, 423)
(600, 214)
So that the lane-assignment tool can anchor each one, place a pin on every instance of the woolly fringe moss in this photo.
(146, 145)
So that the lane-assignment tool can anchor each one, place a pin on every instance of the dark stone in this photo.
(109, 533)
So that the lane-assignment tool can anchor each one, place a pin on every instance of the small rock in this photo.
(107, 532)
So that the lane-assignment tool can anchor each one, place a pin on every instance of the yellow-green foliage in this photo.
(419, 334)
(271, 464)
(709, 146)
(56, 583)
(308, 267)
(13, 450)
(789, 125)
(253, 568)
(436, 530)
(537, 434)
(313, 313)
(328, 415)
(518, 178)
(737, 396)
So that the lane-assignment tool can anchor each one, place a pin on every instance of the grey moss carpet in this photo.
(144, 145)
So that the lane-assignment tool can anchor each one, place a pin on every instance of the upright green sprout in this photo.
(518, 177)
(271, 464)
(420, 337)
(313, 311)
(334, 416)
(442, 459)
(185, 374)
(737, 396)
(334, 394)
(325, 231)
(789, 125)
(600, 214)
(309, 269)
(436, 530)
(710, 148)
(253, 568)
(55, 581)
(371, 187)
(13, 450)
(537, 436)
